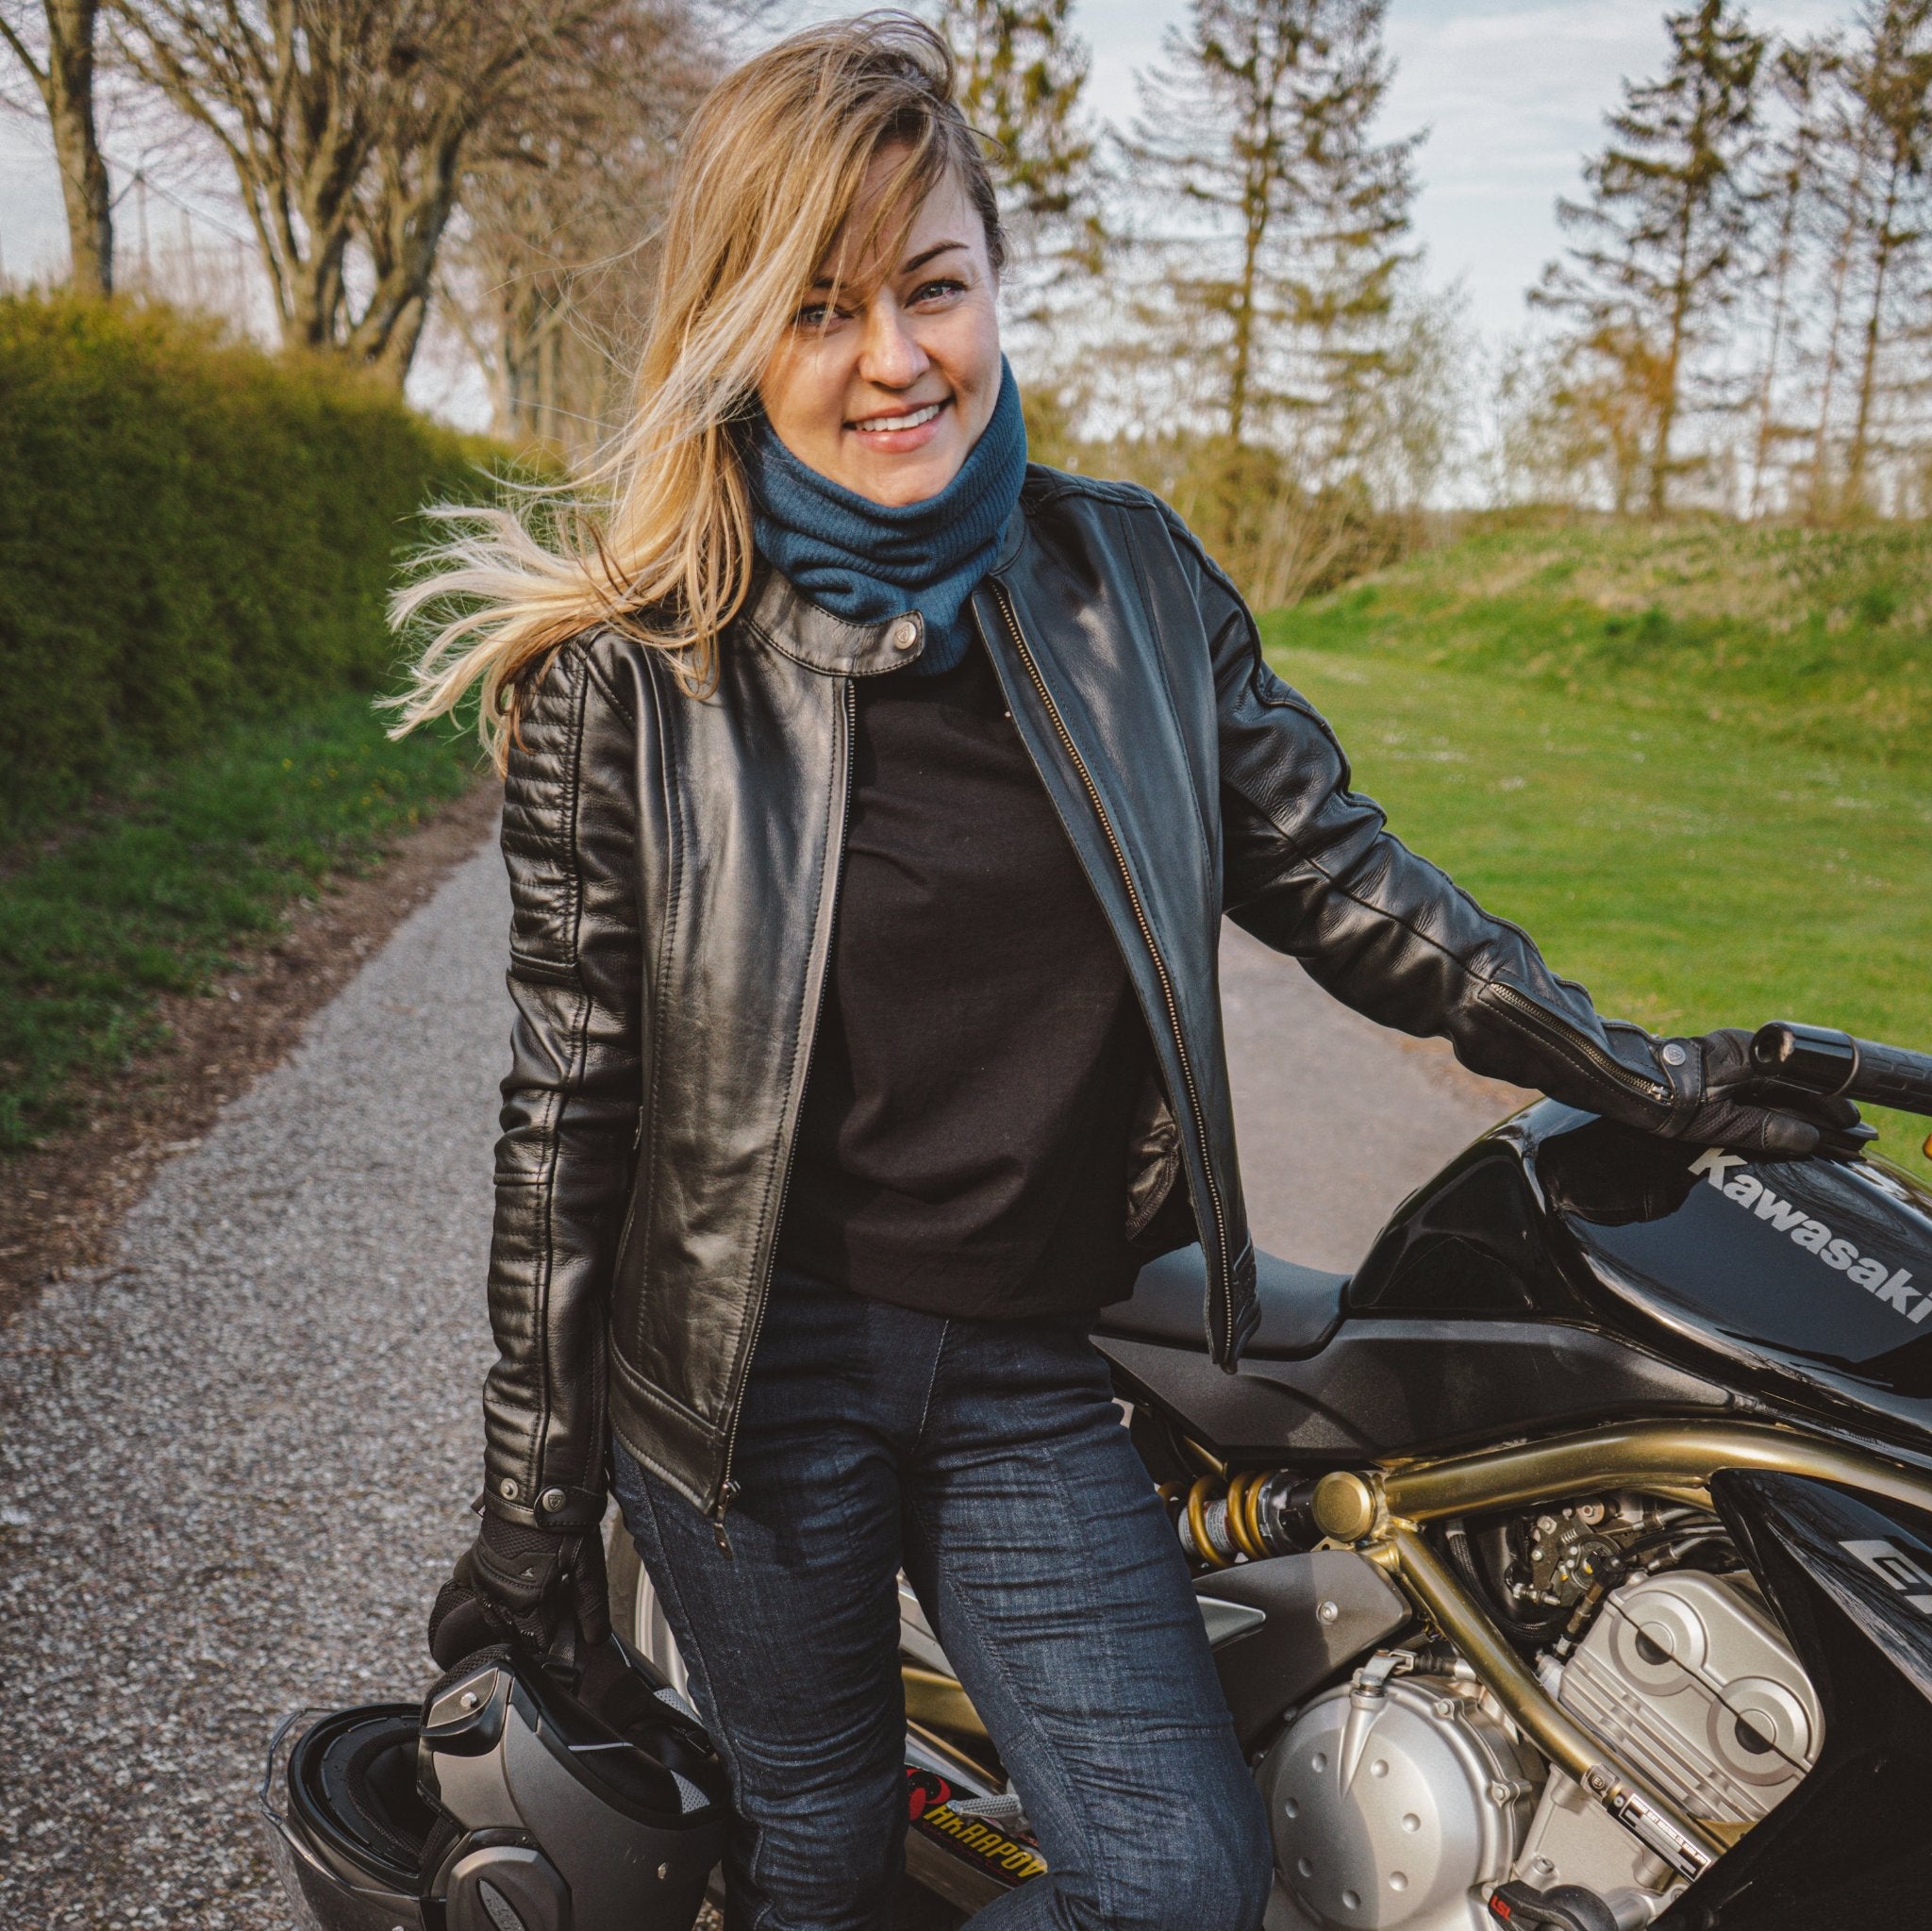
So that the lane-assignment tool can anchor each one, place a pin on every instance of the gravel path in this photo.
(234, 1466)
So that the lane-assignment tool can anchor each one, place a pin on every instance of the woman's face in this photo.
(887, 391)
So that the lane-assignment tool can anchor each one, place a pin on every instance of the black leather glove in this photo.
(542, 1590)
(1722, 1099)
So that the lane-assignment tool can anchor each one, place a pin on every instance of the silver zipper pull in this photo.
(726, 1496)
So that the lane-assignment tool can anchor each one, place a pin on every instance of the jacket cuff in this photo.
(552, 1508)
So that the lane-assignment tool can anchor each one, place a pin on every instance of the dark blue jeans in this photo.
(987, 1459)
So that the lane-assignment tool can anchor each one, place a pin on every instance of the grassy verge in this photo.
(1819, 640)
(162, 884)
(1689, 874)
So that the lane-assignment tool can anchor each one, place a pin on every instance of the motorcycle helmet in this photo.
(509, 1801)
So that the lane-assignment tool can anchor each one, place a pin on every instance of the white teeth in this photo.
(911, 422)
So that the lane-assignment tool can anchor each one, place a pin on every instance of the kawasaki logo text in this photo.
(1888, 1283)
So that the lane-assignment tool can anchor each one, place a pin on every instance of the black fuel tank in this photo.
(1812, 1278)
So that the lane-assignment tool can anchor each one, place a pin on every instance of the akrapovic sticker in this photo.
(929, 1805)
(1879, 1278)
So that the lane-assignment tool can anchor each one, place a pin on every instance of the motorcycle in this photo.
(1582, 1529)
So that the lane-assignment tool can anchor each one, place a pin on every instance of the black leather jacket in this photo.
(675, 864)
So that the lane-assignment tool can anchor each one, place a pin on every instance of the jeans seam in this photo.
(997, 1664)
(768, 1904)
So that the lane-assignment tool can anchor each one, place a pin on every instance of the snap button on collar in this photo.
(905, 633)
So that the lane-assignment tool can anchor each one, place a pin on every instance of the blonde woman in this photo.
(872, 800)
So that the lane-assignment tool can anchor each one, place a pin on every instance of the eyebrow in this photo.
(917, 261)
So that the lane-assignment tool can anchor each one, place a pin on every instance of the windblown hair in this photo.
(654, 536)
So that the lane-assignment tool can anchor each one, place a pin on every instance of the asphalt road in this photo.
(234, 1465)
(1337, 1119)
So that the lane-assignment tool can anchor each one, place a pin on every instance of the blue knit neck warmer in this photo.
(869, 561)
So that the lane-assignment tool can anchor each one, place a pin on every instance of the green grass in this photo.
(1692, 873)
(1815, 637)
(161, 885)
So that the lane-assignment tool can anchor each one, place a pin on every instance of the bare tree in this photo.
(63, 74)
(346, 122)
(549, 272)
(1660, 236)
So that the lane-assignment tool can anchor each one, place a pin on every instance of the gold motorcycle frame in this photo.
(1380, 1513)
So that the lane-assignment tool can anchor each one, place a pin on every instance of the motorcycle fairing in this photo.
(1814, 1274)
(1383, 1386)
(1564, 1271)
(1852, 1584)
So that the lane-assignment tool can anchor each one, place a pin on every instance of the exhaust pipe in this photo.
(966, 1841)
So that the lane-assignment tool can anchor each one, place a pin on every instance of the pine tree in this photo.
(1660, 237)
(1874, 168)
(1845, 168)
(1259, 128)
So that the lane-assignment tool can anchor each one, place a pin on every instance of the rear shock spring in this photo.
(1223, 1519)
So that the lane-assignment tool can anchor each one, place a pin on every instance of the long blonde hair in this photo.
(655, 536)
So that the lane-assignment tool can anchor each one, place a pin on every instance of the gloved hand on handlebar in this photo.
(522, 1586)
(1722, 1099)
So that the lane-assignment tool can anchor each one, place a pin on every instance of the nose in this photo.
(889, 354)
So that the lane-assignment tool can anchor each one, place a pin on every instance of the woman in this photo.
(872, 801)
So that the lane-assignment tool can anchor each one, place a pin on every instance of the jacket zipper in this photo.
(1140, 919)
(1551, 1028)
(727, 1488)
(630, 1208)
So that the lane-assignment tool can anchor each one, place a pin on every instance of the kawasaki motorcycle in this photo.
(1567, 1565)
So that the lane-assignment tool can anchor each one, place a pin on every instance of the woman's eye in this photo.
(814, 315)
(944, 285)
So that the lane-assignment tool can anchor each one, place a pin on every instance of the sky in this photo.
(1512, 93)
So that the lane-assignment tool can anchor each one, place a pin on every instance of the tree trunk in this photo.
(1883, 244)
(1840, 275)
(1767, 388)
(1673, 369)
(66, 87)
(1258, 203)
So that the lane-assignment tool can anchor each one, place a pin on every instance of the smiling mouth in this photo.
(912, 419)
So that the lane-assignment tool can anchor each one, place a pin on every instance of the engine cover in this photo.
(1691, 1684)
(1685, 1679)
(1391, 1806)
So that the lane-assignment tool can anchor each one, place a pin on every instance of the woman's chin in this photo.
(895, 477)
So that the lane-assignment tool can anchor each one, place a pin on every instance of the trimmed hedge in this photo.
(191, 532)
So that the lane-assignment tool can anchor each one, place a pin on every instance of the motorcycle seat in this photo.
(1300, 1306)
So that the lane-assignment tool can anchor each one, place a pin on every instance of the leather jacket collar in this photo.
(800, 630)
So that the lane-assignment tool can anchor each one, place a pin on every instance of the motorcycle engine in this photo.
(1393, 1800)
(1403, 1800)
(1690, 1683)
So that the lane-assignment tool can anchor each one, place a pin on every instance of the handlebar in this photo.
(1820, 1059)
